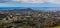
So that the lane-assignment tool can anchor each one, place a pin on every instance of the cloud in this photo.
(3, 0)
(15, 0)
(53, 1)
(30, 1)
(39, 1)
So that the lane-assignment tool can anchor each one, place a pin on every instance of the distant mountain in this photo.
(26, 9)
(32, 8)
(22, 10)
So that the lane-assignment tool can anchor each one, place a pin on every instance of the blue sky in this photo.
(16, 4)
(30, 3)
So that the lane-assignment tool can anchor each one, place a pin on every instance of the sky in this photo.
(29, 3)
